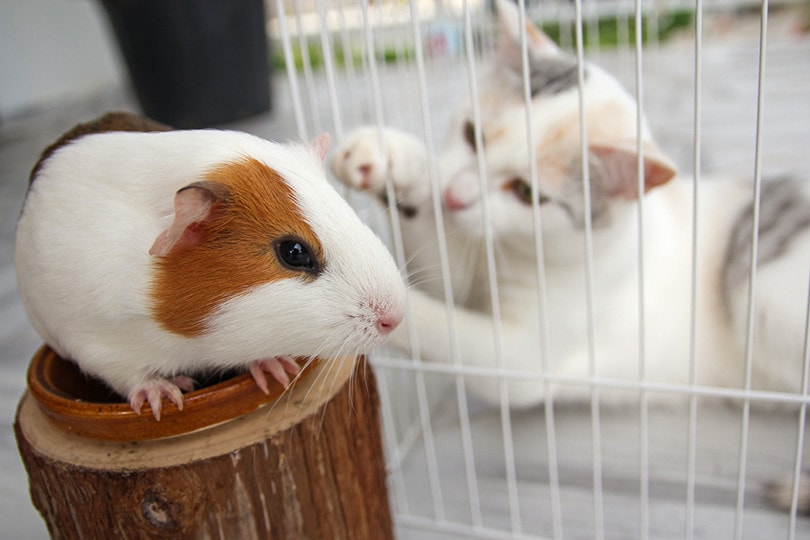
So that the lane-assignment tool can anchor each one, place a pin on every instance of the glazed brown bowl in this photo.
(85, 406)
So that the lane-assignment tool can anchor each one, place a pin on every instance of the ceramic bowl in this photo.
(84, 406)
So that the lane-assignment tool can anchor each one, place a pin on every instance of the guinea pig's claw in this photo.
(186, 384)
(155, 390)
(277, 367)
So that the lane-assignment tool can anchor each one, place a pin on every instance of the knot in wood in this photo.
(159, 511)
(170, 503)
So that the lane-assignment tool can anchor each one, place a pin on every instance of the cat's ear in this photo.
(509, 35)
(618, 167)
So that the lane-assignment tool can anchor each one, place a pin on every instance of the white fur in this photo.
(667, 255)
(84, 271)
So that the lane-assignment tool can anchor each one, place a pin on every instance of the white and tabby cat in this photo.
(367, 156)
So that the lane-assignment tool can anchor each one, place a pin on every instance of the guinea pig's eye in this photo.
(296, 254)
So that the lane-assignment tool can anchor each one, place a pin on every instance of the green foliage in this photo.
(389, 55)
(608, 28)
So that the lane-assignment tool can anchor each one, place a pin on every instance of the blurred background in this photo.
(66, 61)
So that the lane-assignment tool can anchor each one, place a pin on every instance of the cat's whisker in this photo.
(501, 254)
(433, 243)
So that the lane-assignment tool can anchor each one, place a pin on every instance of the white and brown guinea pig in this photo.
(148, 256)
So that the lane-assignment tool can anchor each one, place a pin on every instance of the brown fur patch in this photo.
(536, 37)
(115, 121)
(554, 153)
(610, 120)
(492, 135)
(236, 249)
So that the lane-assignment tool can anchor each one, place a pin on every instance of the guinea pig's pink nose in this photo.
(387, 321)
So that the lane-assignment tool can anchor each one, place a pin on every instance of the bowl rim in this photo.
(202, 408)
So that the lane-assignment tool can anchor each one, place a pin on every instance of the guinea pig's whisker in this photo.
(318, 375)
(423, 280)
(294, 381)
(413, 255)
(323, 373)
(326, 376)
(287, 392)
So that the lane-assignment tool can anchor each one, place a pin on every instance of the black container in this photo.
(194, 63)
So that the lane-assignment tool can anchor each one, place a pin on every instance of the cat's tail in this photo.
(781, 283)
(780, 494)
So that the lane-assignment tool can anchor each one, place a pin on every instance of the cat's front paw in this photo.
(369, 156)
(360, 161)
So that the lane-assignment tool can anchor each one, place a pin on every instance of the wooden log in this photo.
(308, 466)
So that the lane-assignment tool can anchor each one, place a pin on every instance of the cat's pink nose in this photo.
(455, 199)
(462, 191)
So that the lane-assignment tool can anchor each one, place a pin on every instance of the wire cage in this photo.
(724, 86)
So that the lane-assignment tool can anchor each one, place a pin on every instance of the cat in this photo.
(498, 137)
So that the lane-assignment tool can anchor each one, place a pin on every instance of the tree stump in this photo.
(309, 465)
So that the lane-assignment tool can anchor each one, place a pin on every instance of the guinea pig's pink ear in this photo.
(320, 145)
(193, 205)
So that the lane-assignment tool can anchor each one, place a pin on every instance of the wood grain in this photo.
(310, 467)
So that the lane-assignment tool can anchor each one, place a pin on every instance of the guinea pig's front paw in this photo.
(277, 367)
(154, 390)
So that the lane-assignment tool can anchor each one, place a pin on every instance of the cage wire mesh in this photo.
(724, 85)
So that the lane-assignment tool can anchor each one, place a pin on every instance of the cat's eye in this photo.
(523, 191)
(295, 254)
(469, 134)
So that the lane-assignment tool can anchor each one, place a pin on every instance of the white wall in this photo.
(53, 50)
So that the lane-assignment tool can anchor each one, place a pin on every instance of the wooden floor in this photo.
(442, 509)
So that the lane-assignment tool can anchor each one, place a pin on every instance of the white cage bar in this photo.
(460, 469)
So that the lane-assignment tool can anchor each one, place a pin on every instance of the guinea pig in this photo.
(149, 256)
